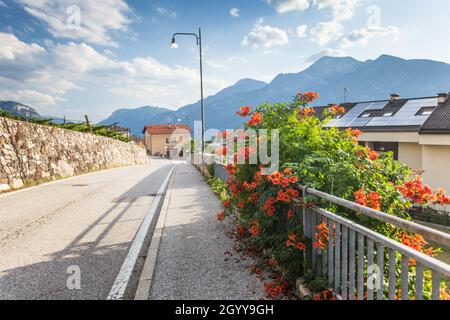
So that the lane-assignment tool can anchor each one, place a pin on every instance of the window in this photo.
(383, 147)
(388, 114)
(167, 140)
(366, 114)
(174, 140)
(425, 111)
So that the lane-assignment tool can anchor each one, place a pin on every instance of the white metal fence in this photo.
(360, 263)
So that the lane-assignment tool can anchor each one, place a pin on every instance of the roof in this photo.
(165, 128)
(439, 120)
(423, 115)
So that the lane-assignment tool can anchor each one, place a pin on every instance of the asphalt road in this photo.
(85, 224)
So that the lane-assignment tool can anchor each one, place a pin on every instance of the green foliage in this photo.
(322, 158)
(99, 130)
(219, 188)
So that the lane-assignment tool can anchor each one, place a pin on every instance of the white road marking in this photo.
(124, 275)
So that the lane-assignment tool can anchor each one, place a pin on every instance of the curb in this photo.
(145, 281)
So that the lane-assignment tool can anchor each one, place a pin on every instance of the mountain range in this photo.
(368, 80)
(365, 80)
(18, 109)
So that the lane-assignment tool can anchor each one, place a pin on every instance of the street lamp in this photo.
(174, 45)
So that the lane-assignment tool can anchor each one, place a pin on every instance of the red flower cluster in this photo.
(220, 216)
(353, 133)
(419, 193)
(240, 231)
(276, 288)
(441, 198)
(231, 169)
(244, 111)
(284, 178)
(335, 109)
(254, 230)
(255, 119)
(325, 295)
(293, 242)
(306, 112)
(269, 207)
(417, 242)
(322, 236)
(256, 270)
(307, 96)
(291, 214)
(283, 196)
(372, 154)
(372, 200)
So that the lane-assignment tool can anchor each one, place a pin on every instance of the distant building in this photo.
(416, 130)
(166, 140)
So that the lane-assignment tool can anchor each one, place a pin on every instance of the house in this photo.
(416, 130)
(166, 140)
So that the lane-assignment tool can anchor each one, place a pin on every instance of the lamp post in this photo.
(198, 37)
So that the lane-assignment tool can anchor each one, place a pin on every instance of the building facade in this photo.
(166, 140)
(416, 130)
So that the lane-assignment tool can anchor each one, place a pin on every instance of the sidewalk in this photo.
(190, 261)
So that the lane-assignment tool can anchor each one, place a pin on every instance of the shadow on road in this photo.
(99, 264)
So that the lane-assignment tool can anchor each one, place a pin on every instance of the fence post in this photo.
(88, 124)
(307, 233)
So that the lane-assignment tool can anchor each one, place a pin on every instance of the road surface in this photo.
(85, 224)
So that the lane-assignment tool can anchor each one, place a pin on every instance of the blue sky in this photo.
(76, 57)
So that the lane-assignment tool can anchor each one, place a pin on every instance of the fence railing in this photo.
(359, 263)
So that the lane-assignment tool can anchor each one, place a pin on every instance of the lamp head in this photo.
(174, 45)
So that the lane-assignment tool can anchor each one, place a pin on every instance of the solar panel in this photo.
(377, 105)
(359, 122)
(406, 116)
(351, 118)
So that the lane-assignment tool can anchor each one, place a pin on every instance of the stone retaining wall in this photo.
(31, 153)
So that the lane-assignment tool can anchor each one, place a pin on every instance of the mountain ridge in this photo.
(19, 109)
(366, 81)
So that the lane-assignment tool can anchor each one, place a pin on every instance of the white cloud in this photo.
(327, 52)
(92, 23)
(165, 12)
(363, 35)
(283, 6)
(2, 4)
(265, 36)
(326, 32)
(234, 12)
(42, 77)
(341, 9)
(29, 97)
(11, 47)
(301, 31)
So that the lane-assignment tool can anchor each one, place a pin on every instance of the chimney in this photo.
(442, 97)
(395, 96)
